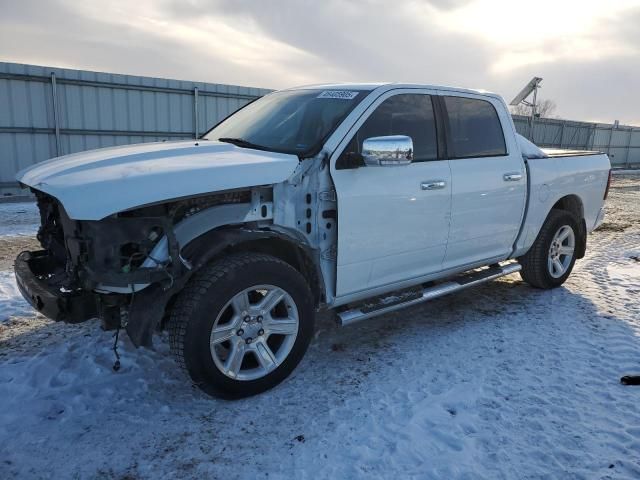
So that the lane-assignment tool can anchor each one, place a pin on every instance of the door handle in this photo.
(512, 177)
(433, 185)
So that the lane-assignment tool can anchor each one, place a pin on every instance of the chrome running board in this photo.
(392, 303)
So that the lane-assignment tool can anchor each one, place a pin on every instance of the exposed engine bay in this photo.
(80, 257)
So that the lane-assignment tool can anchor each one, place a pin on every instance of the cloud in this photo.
(370, 41)
(586, 51)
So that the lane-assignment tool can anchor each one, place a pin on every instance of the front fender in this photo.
(280, 242)
(148, 306)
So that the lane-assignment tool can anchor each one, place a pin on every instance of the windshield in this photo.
(293, 121)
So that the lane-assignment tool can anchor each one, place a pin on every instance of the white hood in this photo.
(92, 185)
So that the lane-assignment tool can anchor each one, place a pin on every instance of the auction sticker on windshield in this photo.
(339, 94)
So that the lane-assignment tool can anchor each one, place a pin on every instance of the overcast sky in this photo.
(587, 51)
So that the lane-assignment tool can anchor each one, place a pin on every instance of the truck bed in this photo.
(582, 175)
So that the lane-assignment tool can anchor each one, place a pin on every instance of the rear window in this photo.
(475, 128)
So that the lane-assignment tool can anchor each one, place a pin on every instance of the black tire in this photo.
(204, 297)
(535, 270)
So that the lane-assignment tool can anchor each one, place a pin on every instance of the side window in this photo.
(474, 127)
(404, 114)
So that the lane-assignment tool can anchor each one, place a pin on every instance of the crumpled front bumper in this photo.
(32, 270)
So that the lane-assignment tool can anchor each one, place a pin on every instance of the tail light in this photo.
(606, 191)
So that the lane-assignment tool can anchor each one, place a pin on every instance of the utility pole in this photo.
(531, 87)
(534, 106)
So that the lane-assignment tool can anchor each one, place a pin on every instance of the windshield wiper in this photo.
(241, 142)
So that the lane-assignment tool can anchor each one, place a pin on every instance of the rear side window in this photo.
(403, 114)
(474, 128)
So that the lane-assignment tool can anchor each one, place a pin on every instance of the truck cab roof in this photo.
(385, 86)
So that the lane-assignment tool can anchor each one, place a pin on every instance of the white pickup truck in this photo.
(358, 198)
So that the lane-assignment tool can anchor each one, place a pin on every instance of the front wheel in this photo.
(242, 324)
(550, 260)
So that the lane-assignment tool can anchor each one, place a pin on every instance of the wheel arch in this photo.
(279, 243)
(573, 204)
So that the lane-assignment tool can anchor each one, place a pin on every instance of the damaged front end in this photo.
(123, 269)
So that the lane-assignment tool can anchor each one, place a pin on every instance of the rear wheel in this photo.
(242, 324)
(550, 260)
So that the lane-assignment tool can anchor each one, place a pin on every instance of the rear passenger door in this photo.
(488, 180)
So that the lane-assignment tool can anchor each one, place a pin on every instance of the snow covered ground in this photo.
(502, 381)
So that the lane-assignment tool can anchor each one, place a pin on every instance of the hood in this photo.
(92, 185)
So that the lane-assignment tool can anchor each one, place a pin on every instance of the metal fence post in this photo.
(592, 136)
(56, 120)
(627, 160)
(610, 140)
(195, 112)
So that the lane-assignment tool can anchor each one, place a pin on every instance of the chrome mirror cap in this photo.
(387, 151)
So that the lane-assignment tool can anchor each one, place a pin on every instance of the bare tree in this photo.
(544, 109)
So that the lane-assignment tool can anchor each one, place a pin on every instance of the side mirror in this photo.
(387, 151)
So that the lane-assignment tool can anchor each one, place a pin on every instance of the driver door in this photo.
(393, 221)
